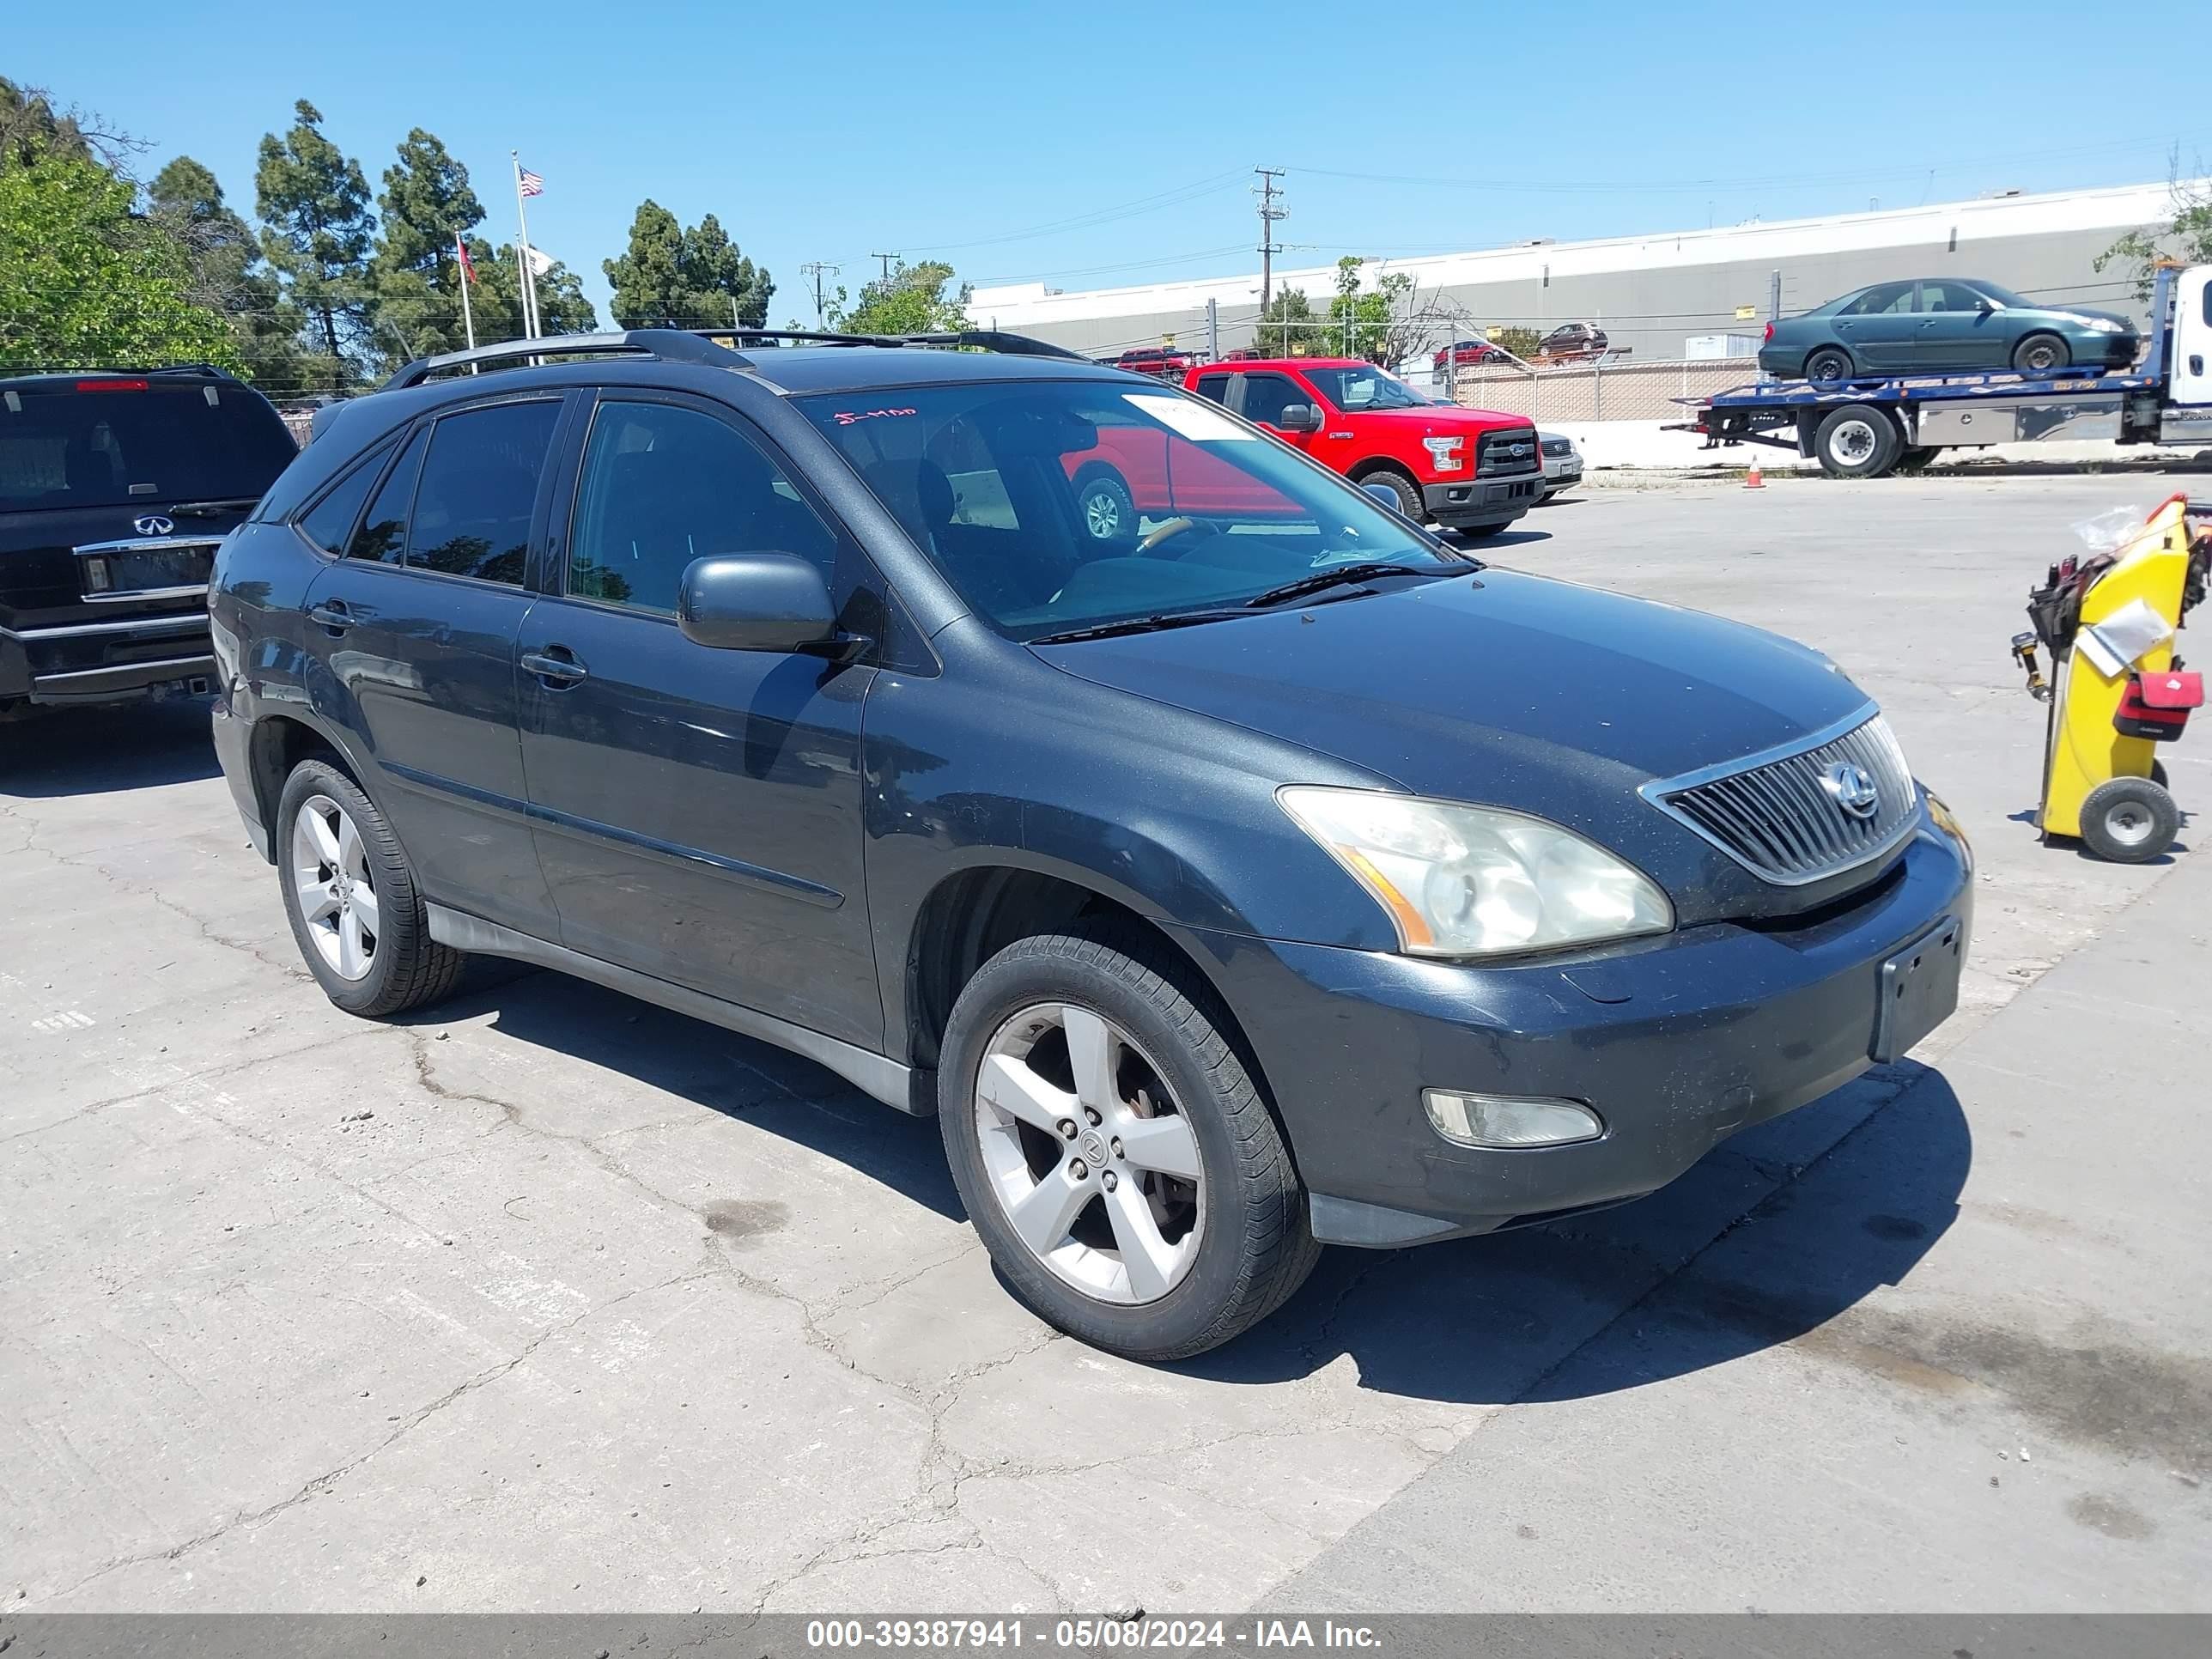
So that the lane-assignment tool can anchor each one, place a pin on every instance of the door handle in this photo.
(331, 614)
(549, 665)
(2196, 362)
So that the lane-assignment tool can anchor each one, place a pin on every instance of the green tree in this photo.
(1287, 326)
(496, 299)
(228, 276)
(2187, 237)
(414, 277)
(85, 282)
(1520, 340)
(911, 299)
(31, 127)
(672, 278)
(314, 205)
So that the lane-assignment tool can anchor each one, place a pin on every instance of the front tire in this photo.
(1409, 502)
(2130, 820)
(2041, 353)
(1109, 510)
(1856, 441)
(1113, 1152)
(350, 895)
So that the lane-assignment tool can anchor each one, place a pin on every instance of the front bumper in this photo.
(1561, 472)
(1678, 1042)
(1481, 502)
(107, 661)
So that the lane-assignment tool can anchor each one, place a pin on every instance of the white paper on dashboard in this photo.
(1192, 420)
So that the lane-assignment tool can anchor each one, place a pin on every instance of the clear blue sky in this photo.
(1106, 144)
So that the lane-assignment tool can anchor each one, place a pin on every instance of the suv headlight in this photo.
(1472, 881)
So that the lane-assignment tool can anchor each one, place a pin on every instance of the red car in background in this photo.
(1471, 470)
(1465, 354)
(1161, 363)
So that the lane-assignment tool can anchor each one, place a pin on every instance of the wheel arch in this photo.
(279, 742)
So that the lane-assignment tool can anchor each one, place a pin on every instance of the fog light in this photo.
(1508, 1121)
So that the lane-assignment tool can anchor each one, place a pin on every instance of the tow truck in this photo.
(1866, 427)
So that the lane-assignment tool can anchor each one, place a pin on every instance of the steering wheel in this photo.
(1164, 533)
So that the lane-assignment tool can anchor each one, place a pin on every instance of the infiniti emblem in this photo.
(1853, 788)
(153, 524)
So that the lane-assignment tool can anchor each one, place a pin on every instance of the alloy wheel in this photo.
(332, 882)
(1101, 515)
(1088, 1153)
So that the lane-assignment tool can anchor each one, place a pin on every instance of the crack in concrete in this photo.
(323, 1482)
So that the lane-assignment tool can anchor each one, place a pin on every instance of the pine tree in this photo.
(314, 205)
(227, 274)
(672, 278)
(413, 274)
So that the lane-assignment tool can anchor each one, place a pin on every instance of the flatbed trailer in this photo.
(1867, 427)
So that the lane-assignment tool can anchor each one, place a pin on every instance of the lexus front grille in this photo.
(1807, 814)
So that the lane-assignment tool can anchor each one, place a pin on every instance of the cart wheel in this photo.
(2158, 774)
(2130, 820)
(1856, 441)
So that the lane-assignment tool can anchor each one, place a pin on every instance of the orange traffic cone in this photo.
(1754, 479)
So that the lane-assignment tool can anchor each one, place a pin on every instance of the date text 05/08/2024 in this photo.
(1086, 1635)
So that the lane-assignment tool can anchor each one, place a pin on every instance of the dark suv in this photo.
(1282, 875)
(115, 486)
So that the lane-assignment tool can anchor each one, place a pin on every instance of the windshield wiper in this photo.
(1137, 625)
(1322, 580)
(208, 510)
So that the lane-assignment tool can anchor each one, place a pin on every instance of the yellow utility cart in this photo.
(2117, 687)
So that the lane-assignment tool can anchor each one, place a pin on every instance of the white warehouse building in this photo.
(1652, 293)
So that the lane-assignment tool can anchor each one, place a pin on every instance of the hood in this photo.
(1442, 417)
(1504, 689)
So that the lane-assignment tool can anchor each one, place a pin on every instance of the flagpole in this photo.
(461, 270)
(529, 278)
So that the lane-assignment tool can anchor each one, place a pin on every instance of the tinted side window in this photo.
(1266, 395)
(383, 531)
(328, 521)
(1213, 387)
(479, 487)
(664, 485)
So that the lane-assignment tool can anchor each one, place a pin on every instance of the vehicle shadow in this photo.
(83, 752)
(720, 1070)
(1721, 1264)
(1481, 546)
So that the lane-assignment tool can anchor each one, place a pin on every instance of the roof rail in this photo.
(980, 339)
(669, 344)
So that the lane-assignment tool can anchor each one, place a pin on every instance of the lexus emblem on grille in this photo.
(1853, 788)
(153, 524)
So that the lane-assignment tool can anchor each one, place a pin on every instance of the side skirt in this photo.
(885, 1078)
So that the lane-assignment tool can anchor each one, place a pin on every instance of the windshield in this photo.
(149, 445)
(1352, 390)
(1054, 506)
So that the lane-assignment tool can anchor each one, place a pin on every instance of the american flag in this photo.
(532, 184)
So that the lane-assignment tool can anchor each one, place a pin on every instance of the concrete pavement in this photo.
(552, 1300)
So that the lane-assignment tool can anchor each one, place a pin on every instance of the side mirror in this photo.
(1299, 418)
(755, 602)
(1383, 494)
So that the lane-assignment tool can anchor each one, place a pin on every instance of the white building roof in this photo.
(2116, 208)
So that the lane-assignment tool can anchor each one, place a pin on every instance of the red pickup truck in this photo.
(1470, 470)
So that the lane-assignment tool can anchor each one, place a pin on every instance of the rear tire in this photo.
(2130, 820)
(2041, 352)
(350, 895)
(1827, 364)
(1916, 458)
(1103, 1241)
(1857, 442)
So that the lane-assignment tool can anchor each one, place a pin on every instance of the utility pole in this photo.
(816, 269)
(886, 259)
(1213, 332)
(1270, 213)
